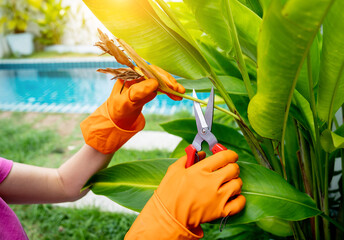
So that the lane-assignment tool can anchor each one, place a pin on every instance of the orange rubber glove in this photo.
(119, 117)
(187, 197)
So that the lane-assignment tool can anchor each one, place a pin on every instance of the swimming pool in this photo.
(65, 86)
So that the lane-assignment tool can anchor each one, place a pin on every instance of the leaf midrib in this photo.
(134, 185)
(280, 198)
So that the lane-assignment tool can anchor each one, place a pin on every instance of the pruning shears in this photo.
(204, 124)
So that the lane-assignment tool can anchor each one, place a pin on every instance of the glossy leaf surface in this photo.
(179, 151)
(232, 85)
(302, 84)
(254, 5)
(268, 194)
(222, 64)
(130, 184)
(211, 19)
(139, 25)
(301, 111)
(287, 33)
(241, 232)
(331, 82)
(275, 226)
(331, 141)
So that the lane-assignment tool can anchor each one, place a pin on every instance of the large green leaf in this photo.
(220, 63)
(210, 17)
(287, 33)
(130, 184)
(300, 109)
(240, 232)
(275, 226)
(331, 141)
(302, 84)
(232, 85)
(291, 165)
(254, 5)
(331, 82)
(269, 195)
(179, 151)
(140, 26)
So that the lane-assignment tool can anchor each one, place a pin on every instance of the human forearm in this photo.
(31, 184)
(74, 173)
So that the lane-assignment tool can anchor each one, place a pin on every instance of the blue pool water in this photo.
(62, 88)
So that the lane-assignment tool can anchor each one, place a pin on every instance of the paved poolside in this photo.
(144, 140)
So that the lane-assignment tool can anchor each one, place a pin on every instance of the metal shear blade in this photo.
(204, 123)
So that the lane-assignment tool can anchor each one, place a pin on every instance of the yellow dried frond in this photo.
(122, 73)
(108, 46)
(143, 66)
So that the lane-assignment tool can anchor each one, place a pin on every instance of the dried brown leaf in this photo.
(107, 45)
(143, 66)
(122, 73)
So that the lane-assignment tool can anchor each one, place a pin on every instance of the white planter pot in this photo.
(21, 43)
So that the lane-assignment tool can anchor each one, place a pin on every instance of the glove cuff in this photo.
(155, 220)
(101, 133)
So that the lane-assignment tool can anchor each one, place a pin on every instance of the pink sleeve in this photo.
(5, 168)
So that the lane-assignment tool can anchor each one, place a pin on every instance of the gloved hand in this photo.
(120, 117)
(170, 81)
(187, 197)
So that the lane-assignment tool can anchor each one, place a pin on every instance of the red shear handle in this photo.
(191, 155)
(218, 148)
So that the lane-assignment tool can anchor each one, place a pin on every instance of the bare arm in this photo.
(31, 184)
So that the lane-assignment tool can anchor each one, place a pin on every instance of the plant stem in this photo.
(316, 141)
(175, 20)
(330, 114)
(325, 199)
(168, 90)
(326, 178)
(315, 197)
(298, 234)
(326, 182)
(317, 147)
(219, 86)
(250, 138)
(328, 218)
(305, 162)
(239, 57)
(269, 149)
(214, 79)
(252, 141)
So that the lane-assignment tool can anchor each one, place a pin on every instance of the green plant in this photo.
(51, 222)
(51, 20)
(15, 15)
(287, 57)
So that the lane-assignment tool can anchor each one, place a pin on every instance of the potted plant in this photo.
(51, 20)
(14, 21)
(278, 66)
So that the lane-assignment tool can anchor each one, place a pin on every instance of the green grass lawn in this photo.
(56, 223)
(45, 140)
